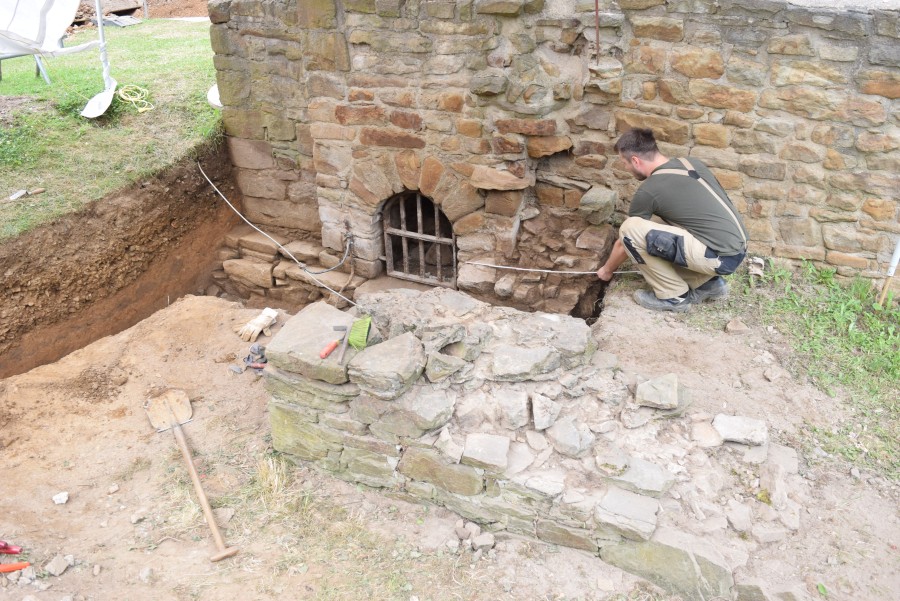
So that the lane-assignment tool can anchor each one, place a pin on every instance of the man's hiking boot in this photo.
(714, 289)
(648, 300)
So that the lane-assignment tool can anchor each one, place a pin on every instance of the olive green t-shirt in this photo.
(682, 201)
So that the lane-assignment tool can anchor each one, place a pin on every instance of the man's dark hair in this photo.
(638, 142)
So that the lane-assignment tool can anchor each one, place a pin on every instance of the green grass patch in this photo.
(844, 342)
(45, 143)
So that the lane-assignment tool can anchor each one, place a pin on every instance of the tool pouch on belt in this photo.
(666, 245)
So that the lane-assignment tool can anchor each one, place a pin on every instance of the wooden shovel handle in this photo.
(204, 502)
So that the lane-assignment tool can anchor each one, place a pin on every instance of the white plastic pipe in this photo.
(894, 260)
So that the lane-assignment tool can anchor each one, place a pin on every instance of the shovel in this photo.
(169, 410)
(97, 105)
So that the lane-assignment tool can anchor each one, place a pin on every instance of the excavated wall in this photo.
(503, 113)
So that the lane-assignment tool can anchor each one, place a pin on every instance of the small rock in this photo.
(112, 489)
(57, 565)
(774, 373)
(68, 598)
(854, 472)
(139, 516)
(146, 575)
(705, 435)
(477, 555)
(462, 533)
(473, 529)
(740, 429)
(61, 498)
(223, 515)
(453, 545)
(736, 326)
(96, 570)
(483, 541)
(104, 523)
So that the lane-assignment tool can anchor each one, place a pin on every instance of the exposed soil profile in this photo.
(100, 270)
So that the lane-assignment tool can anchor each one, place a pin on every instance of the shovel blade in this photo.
(97, 105)
(168, 409)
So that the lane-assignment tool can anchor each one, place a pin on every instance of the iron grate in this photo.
(419, 244)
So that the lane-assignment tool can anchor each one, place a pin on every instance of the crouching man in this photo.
(702, 237)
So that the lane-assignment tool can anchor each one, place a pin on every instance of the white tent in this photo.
(37, 27)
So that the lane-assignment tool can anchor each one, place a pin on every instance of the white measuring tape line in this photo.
(541, 270)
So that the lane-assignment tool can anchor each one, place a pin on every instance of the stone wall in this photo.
(504, 113)
(516, 421)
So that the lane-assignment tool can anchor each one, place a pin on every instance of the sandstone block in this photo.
(657, 28)
(428, 466)
(546, 145)
(296, 346)
(626, 513)
(252, 272)
(677, 563)
(882, 83)
(711, 134)
(763, 167)
(698, 62)
(528, 127)
(250, 154)
(390, 138)
(291, 434)
(568, 536)
(388, 369)
(722, 97)
(487, 178)
(666, 130)
(795, 44)
(371, 469)
(514, 363)
(487, 451)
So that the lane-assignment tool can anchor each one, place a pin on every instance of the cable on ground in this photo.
(288, 253)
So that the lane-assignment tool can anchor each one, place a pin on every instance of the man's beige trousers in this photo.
(667, 279)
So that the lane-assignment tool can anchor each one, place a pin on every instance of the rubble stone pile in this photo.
(520, 424)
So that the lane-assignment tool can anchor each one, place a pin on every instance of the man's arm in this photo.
(616, 258)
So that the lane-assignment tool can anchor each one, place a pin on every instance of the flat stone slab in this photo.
(388, 369)
(675, 563)
(487, 451)
(626, 513)
(296, 346)
(745, 430)
(659, 393)
(517, 364)
(644, 477)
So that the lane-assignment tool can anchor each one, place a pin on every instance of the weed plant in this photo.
(845, 343)
(46, 143)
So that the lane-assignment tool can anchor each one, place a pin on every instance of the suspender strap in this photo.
(692, 173)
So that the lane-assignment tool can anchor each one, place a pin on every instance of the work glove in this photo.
(260, 323)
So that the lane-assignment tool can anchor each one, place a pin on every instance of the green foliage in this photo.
(45, 143)
(844, 342)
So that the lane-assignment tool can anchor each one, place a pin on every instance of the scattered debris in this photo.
(61, 498)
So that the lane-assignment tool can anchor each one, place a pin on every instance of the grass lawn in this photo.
(45, 143)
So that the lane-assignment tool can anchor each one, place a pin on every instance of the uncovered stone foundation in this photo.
(518, 422)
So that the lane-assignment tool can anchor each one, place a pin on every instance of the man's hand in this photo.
(605, 274)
